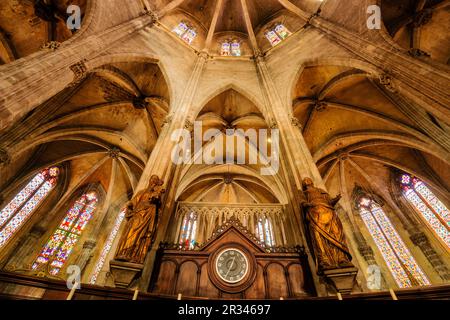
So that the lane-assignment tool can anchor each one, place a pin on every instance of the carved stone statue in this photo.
(142, 219)
(325, 229)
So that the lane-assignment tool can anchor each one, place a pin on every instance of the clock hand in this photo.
(229, 269)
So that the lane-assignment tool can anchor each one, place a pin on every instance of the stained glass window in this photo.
(226, 49)
(107, 246)
(282, 31)
(231, 48)
(399, 260)
(277, 34)
(236, 48)
(264, 232)
(60, 245)
(189, 36)
(185, 32)
(433, 211)
(19, 209)
(188, 231)
(273, 38)
(181, 29)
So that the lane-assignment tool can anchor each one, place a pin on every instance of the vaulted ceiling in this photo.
(359, 136)
(26, 25)
(420, 24)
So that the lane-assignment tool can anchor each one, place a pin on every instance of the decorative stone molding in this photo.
(296, 123)
(114, 153)
(259, 56)
(320, 105)
(203, 55)
(51, 45)
(387, 81)
(247, 215)
(310, 19)
(417, 53)
(367, 252)
(167, 120)
(79, 70)
(189, 125)
(274, 125)
(153, 15)
(419, 239)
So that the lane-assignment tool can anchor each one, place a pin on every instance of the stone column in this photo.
(90, 244)
(28, 82)
(299, 161)
(85, 254)
(421, 240)
(24, 248)
(162, 166)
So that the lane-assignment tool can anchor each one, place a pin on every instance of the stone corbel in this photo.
(51, 45)
(80, 72)
(387, 81)
(168, 120)
(296, 123)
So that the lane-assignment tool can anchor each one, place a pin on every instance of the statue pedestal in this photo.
(343, 279)
(124, 272)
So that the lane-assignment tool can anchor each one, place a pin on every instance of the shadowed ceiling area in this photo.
(420, 25)
(35, 23)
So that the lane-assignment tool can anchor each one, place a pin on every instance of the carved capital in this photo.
(259, 56)
(387, 81)
(167, 120)
(189, 125)
(51, 45)
(203, 55)
(79, 70)
(366, 251)
(295, 122)
(89, 244)
(153, 15)
(420, 239)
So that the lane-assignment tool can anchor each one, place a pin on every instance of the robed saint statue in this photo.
(325, 228)
(142, 218)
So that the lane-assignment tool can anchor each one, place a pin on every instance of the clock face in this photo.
(232, 265)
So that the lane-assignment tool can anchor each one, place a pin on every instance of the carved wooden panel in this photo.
(192, 272)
